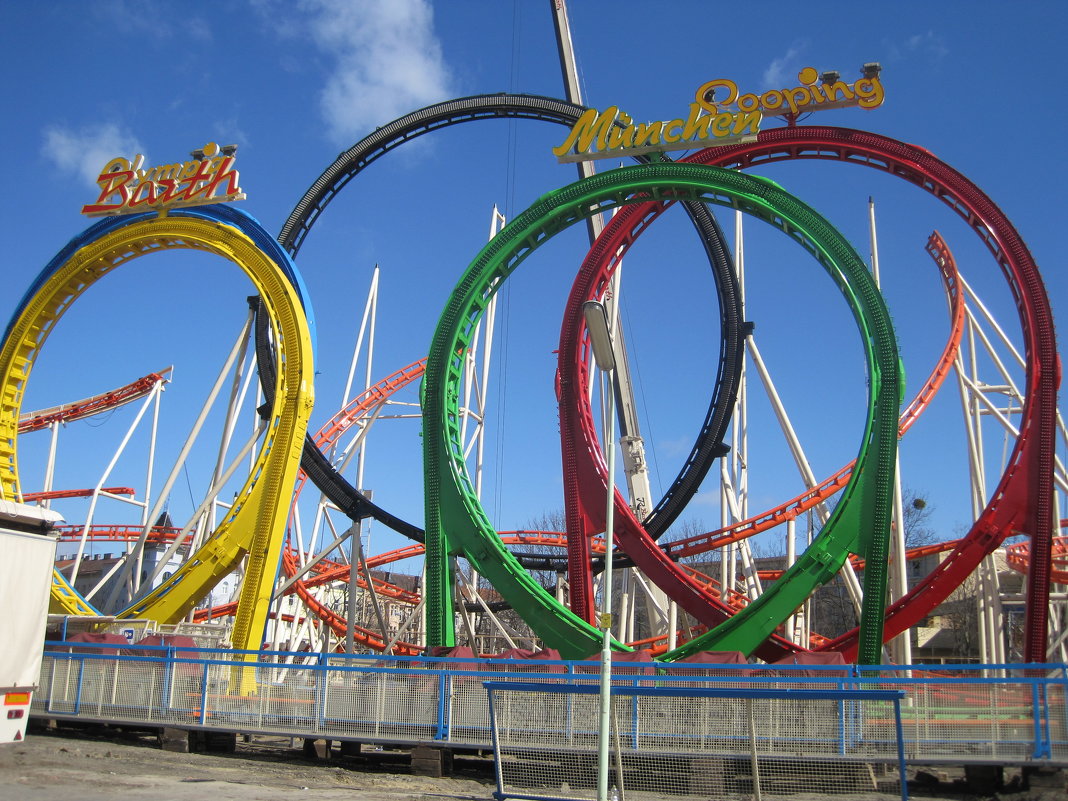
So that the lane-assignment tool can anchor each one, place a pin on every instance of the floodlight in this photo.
(600, 336)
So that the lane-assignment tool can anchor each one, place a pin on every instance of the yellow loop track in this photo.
(255, 525)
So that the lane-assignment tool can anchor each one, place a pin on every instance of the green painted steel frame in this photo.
(457, 524)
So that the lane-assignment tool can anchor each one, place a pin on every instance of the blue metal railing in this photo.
(958, 711)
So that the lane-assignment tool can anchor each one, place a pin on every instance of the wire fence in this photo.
(967, 716)
(685, 742)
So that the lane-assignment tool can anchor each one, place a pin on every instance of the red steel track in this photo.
(585, 473)
(823, 491)
(68, 412)
(1022, 503)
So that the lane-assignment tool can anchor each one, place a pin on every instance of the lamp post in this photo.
(604, 355)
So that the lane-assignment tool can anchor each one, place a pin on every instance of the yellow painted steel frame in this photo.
(255, 525)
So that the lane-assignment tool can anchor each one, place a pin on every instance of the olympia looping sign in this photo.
(126, 187)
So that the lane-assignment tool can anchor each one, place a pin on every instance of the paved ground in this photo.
(99, 764)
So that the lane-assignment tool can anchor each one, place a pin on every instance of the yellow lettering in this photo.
(668, 136)
(831, 91)
(870, 91)
(721, 125)
(706, 95)
(697, 124)
(766, 99)
(117, 164)
(648, 133)
(796, 97)
(127, 186)
(621, 137)
(164, 171)
(590, 126)
(748, 102)
(747, 123)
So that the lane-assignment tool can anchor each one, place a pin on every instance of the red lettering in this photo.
(169, 192)
(213, 173)
(205, 180)
(144, 194)
(223, 173)
(203, 173)
(111, 183)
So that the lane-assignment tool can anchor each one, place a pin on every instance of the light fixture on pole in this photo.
(604, 355)
(600, 337)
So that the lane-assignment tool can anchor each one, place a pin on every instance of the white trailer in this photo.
(27, 555)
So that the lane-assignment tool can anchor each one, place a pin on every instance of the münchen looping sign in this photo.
(710, 121)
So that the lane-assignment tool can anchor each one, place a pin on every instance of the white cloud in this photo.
(929, 46)
(674, 447)
(709, 498)
(152, 19)
(85, 151)
(928, 43)
(782, 71)
(388, 61)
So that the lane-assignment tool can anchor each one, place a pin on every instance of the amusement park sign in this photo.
(733, 119)
(127, 187)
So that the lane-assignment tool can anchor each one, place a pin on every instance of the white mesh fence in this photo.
(406, 701)
(694, 743)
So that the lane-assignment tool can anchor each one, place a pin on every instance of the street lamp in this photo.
(604, 355)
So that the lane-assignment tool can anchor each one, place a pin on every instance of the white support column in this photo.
(900, 646)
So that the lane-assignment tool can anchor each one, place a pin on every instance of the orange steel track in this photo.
(68, 412)
(1018, 556)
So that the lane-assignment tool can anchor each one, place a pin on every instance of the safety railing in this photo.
(963, 716)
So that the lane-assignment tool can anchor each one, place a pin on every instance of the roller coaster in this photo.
(257, 534)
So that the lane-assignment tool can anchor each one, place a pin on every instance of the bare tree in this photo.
(917, 512)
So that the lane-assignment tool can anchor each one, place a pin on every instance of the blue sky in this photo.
(294, 83)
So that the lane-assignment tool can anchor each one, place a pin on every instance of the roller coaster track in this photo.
(708, 445)
(87, 407)
(1018, 557)
(1016, 506)
(1025, 506)
(255, 524)
(1022, 503)
(583, 519)
(943, 258)
(790, 510)
(328, 572)
(51, 495)
(589, 483)
(455, 520)
(589, 492)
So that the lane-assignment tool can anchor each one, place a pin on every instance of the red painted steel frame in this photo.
(585, 473)
(792, 509)
(1023, 500)
(68, 412)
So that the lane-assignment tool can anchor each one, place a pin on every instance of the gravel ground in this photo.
(106, 764)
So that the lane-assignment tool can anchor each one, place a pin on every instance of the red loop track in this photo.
(1022, 503)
